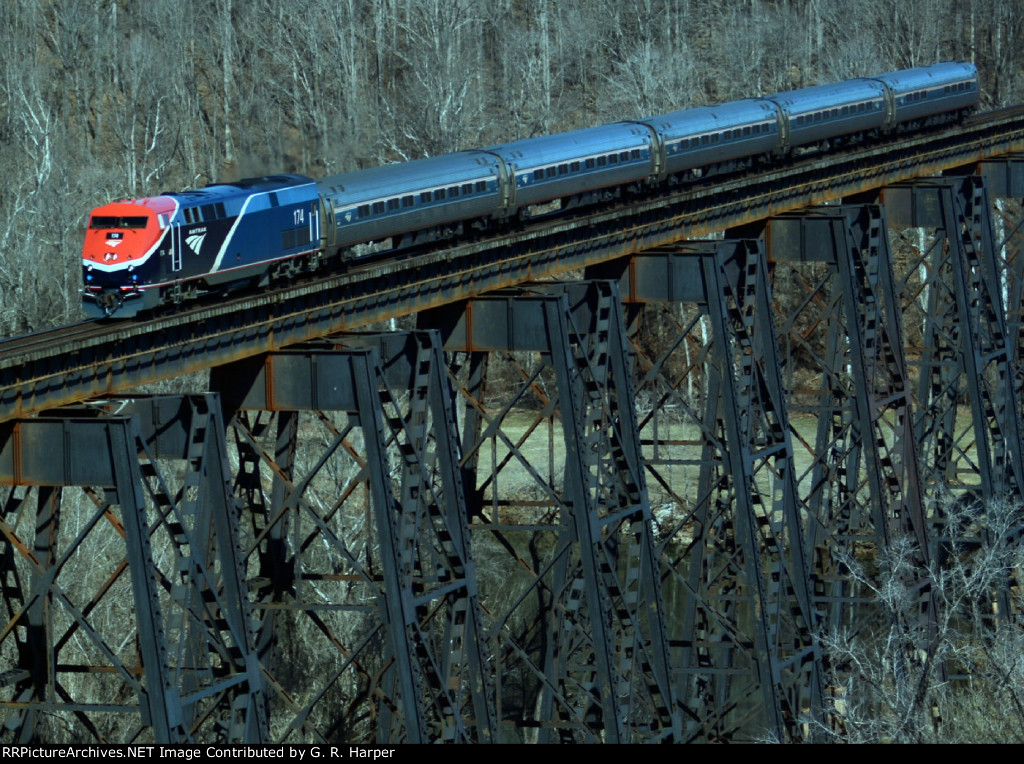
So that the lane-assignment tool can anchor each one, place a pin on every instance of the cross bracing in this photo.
(626, 535)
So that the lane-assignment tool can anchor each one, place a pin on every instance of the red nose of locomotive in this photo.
(123, 232)
(120, 242)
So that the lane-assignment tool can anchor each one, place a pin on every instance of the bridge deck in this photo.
(76, 363)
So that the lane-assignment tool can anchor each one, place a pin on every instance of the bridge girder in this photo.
(388, 513)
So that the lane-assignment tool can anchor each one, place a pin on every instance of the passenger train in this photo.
(162, 250)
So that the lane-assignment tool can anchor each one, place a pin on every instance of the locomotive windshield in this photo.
(112, 221)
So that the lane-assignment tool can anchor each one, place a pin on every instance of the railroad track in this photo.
(98, 358)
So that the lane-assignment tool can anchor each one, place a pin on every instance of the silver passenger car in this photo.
(824, 112)
(381, 202)
(712, 135)
(566, 164)
(930, 94)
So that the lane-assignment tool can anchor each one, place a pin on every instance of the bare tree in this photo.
(896, 675)
(434, 101)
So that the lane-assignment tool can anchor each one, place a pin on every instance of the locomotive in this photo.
(164, 250)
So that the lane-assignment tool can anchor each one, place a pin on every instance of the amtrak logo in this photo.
(195, 241)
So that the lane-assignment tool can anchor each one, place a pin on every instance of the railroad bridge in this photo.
(607, 489)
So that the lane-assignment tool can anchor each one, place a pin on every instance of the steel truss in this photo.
(968, 409)
(355, 535)
(852, 398)
(966, 351)
(106, 639)
(1005, 182)
(407, 546)
(854, 429)
(574, 603)
(886, 465)
(746, 658)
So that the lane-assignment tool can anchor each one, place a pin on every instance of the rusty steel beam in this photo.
(576, 615)
(131, 619)
(362, 545)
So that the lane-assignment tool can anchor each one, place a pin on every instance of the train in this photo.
(142, 254)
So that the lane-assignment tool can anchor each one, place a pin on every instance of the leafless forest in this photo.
(102, 99)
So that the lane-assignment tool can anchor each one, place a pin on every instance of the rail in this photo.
(93, 359)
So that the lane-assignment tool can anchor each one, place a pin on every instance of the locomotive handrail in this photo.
(91, 359)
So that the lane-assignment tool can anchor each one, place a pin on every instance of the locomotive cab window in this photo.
(110, 221)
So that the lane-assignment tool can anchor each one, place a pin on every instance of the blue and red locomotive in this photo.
(161, 250)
